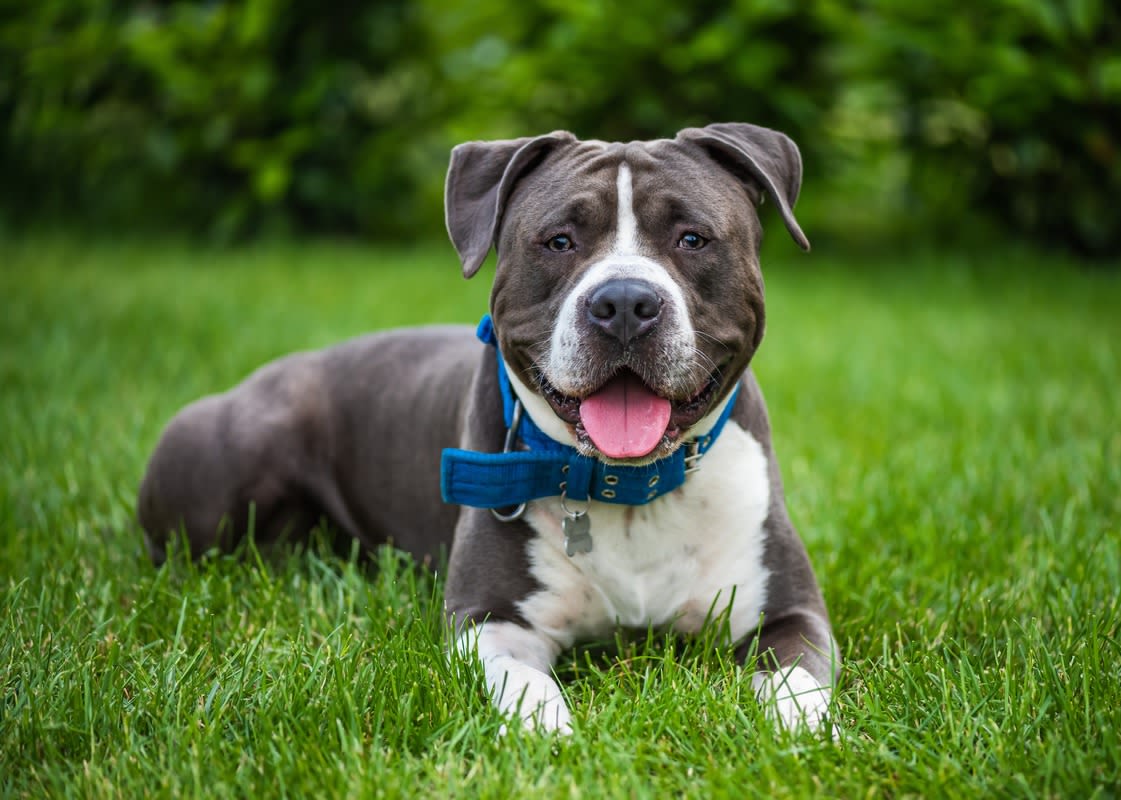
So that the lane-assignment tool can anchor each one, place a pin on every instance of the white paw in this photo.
(516, 663)
(529, 693)
(793, 698)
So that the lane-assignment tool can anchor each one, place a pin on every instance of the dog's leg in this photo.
(194, 483)
(516, 663)
(794, 653)
(796, 669)
(251, 458)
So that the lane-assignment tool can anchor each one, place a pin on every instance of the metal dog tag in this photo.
(577, 534)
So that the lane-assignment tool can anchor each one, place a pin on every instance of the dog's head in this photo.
(627, 299)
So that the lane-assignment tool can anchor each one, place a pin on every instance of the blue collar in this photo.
(547, 468)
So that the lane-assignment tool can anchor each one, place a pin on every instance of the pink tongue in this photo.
(625, 419)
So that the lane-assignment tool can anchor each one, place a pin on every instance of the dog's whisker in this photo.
(703, 360)
(709, 337)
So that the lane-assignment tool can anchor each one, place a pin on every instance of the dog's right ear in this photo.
(480, 178)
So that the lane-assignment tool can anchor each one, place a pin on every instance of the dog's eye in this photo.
(560, 243)
(691, 241)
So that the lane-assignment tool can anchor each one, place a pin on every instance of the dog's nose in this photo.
(624, 308)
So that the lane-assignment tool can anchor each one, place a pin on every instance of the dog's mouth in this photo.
(625, 419)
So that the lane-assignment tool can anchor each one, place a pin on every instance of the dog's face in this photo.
(628, 298)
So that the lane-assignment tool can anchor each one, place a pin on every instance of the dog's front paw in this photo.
(793, 699)
(515, 663)
(530, 694)
(543, 719)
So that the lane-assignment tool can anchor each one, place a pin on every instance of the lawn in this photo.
(949, 426)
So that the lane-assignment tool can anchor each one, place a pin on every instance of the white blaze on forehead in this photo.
(626, 231)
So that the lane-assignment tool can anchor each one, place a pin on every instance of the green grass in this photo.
(950, 432)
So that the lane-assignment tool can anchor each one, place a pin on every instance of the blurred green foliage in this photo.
(235, 118)
(1009, 108)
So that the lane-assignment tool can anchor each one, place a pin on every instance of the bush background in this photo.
(231, 119)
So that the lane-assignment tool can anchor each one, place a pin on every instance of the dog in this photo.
(602, 458)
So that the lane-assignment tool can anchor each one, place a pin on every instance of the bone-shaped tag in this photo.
(577, 534)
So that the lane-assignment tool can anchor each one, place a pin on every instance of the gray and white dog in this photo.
(606, 448)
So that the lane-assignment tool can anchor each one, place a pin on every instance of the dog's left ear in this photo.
(480, 178)
(767, 157)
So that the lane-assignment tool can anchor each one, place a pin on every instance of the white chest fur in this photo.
(694, 553)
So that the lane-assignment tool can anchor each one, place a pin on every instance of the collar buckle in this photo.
(693, 457)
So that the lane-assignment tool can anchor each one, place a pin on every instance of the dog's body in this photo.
(626, 307)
